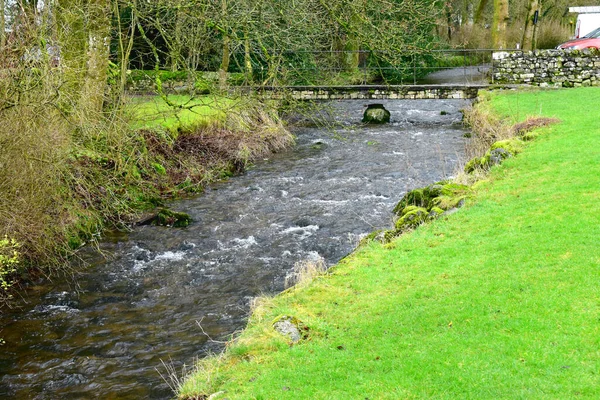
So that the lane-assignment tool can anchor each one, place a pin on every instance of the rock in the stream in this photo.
(376, 114)
(166, 217)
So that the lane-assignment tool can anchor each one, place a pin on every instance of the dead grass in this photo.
(304, 272)
(532, 123)
(487, 128)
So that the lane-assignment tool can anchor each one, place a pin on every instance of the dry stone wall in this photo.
(557, 68)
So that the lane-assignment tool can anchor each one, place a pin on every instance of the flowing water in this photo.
(139, 302)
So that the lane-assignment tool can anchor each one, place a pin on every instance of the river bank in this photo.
(63, 193)
(138, 301)
(498, 300)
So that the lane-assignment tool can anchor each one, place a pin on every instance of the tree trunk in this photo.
(226, 41)
(247, 57)
(2, 27)
(527, 43)
(125, 42)
(479, 13)
(449, 21)
(71, 35)
(94, 85)
(351, 54)
(499, 24)
(175, 48)
(224, 62)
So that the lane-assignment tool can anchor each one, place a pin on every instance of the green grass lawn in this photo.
(184, 111)
(499, 300)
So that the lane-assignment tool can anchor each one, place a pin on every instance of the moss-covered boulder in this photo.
(425, 204)
(377, 236)
(376, 114)
(435, 212)
(388, 236)
(453, 196)
(166, 217)
(498, 152)
(513, 146)
(414, 217)
(443, 194)
(496, 156)
(473, 164)
(421, 197)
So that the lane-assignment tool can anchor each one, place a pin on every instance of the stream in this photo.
(106, 332)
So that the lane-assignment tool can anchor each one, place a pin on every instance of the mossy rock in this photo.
(453, 189)
(449, 202)
(291, 328)
(166, 217)
(529, 136)
(427, 197)
(513, 146)
(390, 235)
(422, 197)
(494, 157)
(412, 219)
(408, 209)
(453, 194)
(473, 164)
(435, 212)
(497, 156)
(376, 114)
(412, 198)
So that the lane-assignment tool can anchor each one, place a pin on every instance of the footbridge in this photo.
(372, 92)
(449, 74)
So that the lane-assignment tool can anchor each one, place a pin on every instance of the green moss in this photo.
(474, 164)
(135, 172)
(74, 242)
(408, 209)
(449, 202)
(436, 212)
(453, 189)
(529, 136)
(159, 169)
(389, 235)
(440, 195)
(166, 217)
(513, 146)
(411, 219)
